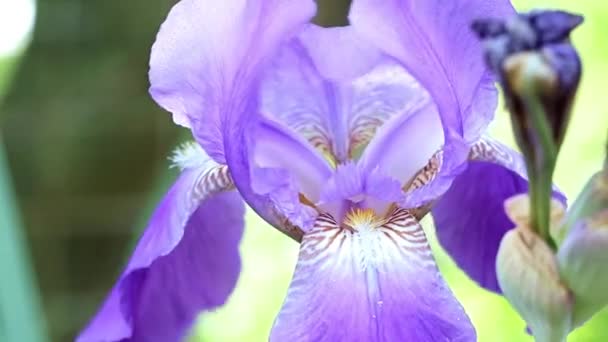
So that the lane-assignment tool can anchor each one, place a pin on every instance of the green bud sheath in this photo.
(528, 276)
(583, 255)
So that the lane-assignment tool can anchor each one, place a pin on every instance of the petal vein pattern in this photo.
(369, 280)
(187, 260)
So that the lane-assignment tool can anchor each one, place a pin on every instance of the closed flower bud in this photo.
(528, 276)
(532, 56)
(518, 209)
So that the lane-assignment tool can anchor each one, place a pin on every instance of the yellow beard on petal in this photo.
(365, 227)
(362, 219)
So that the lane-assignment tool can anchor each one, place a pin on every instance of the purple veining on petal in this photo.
(375, 283)
(336, 112)
(340, 117)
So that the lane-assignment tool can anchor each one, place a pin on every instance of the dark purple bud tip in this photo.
(523, 32)
(533, 58)
(553, 26)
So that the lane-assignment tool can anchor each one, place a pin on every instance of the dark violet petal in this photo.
(470, 219)
(373, 285)
(434, 42)
(207, 57)
(187, 261)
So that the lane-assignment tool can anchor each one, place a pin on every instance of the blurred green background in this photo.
(86, 149)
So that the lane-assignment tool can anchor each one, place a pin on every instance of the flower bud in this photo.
(528, 276)
(531, 55)
(518, 209)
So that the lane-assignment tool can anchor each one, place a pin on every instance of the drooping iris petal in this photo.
(207, 56)
(186, 261)
(377, 283)
(470, 217)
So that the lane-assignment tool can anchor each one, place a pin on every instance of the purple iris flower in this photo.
(342, 138)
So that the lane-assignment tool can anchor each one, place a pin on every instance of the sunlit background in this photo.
(83, 161)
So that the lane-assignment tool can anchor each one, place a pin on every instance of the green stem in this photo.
(543, 165)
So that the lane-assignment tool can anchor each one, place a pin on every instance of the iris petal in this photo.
(470, 218)
(375, 283)
(207, 57)
(405, 144)
(286, 168)
(186, 261)
(434, 42)
(336, 106)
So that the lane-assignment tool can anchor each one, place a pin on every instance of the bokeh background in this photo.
(83, 161)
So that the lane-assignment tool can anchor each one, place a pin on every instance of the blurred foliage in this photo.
(86, 145)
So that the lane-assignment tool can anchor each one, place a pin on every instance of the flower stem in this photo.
(541, 167)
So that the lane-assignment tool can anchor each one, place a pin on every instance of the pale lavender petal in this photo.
(478, 115)
(405, 144)
(434, 42)
(207, 57)
(351, 186)
(329, 48)
(470, 219)
(187, 261)
(379, 284)
(432, 39)
(347, 183)
(286, 167)
(336, 106)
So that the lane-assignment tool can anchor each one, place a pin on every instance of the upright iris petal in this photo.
(433, 41)
(364, 262)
